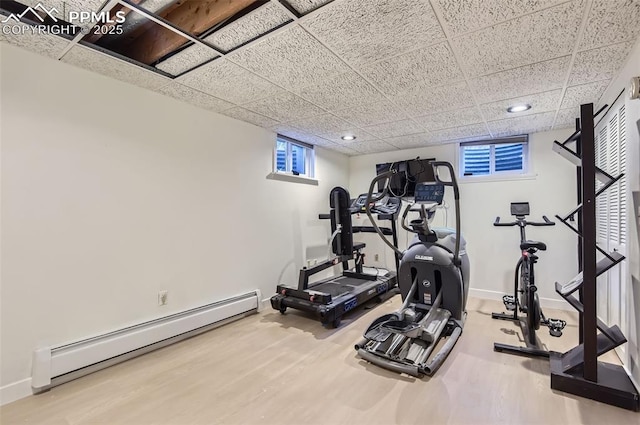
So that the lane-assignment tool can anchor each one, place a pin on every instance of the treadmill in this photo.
(329, 299)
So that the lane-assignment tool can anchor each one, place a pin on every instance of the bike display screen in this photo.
(519, 208)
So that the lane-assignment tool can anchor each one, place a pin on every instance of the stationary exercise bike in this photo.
(433, 278)
(525, 297)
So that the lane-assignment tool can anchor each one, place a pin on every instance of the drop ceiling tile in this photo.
(63, 7)
(373, 146)
(248, 27)
(584, 93)
(393, 129)
(540, 102)
(599, 64)
(611, 22)
(522, 125)
(450, 119)
(109, 66)
(462, 133)
(428, 67)
(306, 6)
(47, 45)
(362, 31)
(533, 38)
(345, 150)
(411, 141)
(230, 82)
(318, 124)
(284, 107)
(300, 135)
(187, 59)
(535, 78)
(155, 5)
(291, 58)
(369, 114)
(249, 116)
(566, 118)
(341, 91)
(336, 136)
(470, 15)
(194, 97)
(427, 101)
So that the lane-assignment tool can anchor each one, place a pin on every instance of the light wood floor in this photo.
(273, 369)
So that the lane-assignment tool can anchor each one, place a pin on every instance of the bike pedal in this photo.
(509, 302)
(556, 326)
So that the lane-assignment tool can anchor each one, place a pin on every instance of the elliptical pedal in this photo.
(555, 326)
(509, 302)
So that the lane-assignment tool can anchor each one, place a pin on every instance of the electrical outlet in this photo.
(163, 297)
(376, 257)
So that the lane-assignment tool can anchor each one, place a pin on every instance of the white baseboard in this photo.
(16, 391)
(486, 294)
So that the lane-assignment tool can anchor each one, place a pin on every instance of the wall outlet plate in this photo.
(163, 297)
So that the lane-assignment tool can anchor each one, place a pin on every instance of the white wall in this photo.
(493, 252)
(632, 107)
(111, 193)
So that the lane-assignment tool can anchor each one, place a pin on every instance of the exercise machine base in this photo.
(522, 351)
(330, 299)
(613, 387)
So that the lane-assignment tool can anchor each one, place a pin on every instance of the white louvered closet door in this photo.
(611, 210)
(623, 246)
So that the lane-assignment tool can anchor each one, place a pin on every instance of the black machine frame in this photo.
(525, 297)
(405, 341)
(329, 299)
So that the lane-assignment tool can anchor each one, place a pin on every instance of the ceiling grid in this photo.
(581, 31)
(394, 73)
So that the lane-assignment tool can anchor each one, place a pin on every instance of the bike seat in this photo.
(526, 245)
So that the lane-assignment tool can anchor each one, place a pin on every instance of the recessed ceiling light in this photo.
(518, 108)
(349, 137)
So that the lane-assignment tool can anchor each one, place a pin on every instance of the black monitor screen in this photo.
(398, 182)
(410, 172)
(420, 171)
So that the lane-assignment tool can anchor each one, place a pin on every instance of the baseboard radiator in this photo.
(53, 366)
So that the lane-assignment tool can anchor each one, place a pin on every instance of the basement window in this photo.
(498, 157)
(292, 157)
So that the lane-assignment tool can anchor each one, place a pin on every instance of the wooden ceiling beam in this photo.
(192, 16)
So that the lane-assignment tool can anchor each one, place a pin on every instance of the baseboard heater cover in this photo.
(50, 363)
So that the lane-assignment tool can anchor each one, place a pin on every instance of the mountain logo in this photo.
(38, 10)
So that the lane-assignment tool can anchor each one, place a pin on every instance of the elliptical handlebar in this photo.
(371, 199)
(456, 196)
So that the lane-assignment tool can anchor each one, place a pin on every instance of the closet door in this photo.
(611, 218)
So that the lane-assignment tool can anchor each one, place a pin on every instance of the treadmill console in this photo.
(429, 193)
(386, 205)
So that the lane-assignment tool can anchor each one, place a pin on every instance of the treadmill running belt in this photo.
(332, 288)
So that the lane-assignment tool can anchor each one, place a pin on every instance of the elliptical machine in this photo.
(433, 279)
